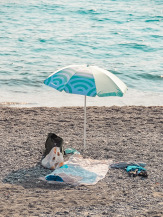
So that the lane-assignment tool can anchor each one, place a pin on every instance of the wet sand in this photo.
(118, 133)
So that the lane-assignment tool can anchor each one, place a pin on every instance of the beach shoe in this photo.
(143, 173)
(133, 173)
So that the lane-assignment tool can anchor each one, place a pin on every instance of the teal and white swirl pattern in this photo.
(86, 80)
(82, 84)
(59, 79)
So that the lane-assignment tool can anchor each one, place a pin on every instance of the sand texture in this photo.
(119, 133)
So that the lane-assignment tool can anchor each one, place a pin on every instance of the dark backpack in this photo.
(53, 141)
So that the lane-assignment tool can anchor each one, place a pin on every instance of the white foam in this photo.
(49, 97)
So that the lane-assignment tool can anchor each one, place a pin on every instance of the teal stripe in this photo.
(58, 81)
(92, 92)
(68, 88)
(77, 86)
(90, 83)
(61, 77)
(47, 81)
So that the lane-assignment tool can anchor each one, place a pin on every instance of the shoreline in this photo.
(49, 97)
(126, 133)
(22, 106)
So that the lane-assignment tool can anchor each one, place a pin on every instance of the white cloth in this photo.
(78, 170)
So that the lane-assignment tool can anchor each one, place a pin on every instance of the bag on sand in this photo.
(54, 159)
(53, 141)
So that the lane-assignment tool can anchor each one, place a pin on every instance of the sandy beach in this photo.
(120, 133)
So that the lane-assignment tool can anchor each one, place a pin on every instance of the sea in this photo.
(37, 38)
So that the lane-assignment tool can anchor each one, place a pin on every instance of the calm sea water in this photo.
(38, 37)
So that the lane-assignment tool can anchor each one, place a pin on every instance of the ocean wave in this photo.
(21, 82)
(147, 76)
(154, 19)
(84, 11)
(143, 47)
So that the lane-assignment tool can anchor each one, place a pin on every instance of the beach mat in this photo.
(80, 171)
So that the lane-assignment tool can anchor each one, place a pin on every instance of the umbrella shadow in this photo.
(30, 178)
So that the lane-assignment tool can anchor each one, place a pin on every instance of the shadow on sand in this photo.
(30, 178)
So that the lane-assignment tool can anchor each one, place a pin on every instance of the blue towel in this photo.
(133, 168)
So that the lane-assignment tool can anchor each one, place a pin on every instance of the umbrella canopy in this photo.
(88, 81)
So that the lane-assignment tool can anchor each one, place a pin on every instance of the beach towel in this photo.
(80, 171)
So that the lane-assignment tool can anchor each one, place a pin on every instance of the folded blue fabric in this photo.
(71, 151)
(124, 165)
(54, 178)
(133, 168)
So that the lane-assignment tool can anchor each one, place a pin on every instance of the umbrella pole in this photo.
(85, 122)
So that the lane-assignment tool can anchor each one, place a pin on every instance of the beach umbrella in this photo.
(88, 81)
